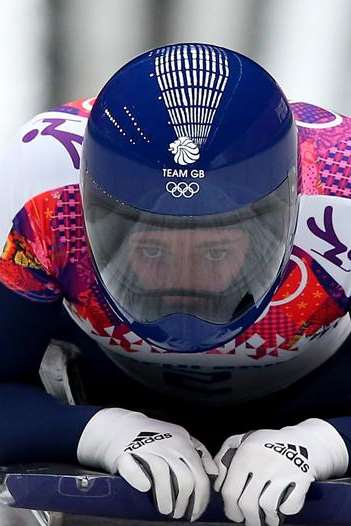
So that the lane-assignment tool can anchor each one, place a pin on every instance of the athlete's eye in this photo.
(216, 254)
(151, 251)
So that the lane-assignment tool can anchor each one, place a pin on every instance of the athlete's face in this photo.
(187, 260)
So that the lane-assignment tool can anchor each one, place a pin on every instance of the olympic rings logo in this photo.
(182, 189)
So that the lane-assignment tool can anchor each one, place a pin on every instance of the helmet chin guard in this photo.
(189, 188)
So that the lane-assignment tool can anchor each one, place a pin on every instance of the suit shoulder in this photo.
(324, 150)
(44, 154)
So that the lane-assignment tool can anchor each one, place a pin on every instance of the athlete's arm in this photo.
(343, 427)
(33, 425)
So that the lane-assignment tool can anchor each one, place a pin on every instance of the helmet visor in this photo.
(213, 267)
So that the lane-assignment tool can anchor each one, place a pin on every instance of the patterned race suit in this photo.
(46, 258)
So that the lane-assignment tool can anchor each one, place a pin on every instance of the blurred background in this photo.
(57, 50)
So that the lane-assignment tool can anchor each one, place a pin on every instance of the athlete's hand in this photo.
(267, 473)
(150, 454)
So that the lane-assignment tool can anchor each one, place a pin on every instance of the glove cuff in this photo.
(91, 449)
(325, 437)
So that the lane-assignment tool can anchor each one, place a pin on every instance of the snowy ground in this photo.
(12, 517)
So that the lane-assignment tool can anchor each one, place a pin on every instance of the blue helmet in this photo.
(189, 187)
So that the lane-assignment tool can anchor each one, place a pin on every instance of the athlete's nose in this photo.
(184, 280)
(183, 274)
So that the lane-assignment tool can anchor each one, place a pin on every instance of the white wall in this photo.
(24, 69)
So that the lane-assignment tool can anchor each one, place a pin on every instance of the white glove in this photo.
(150, 454)
(267, 472)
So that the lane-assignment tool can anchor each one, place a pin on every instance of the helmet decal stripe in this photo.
(192, 77)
